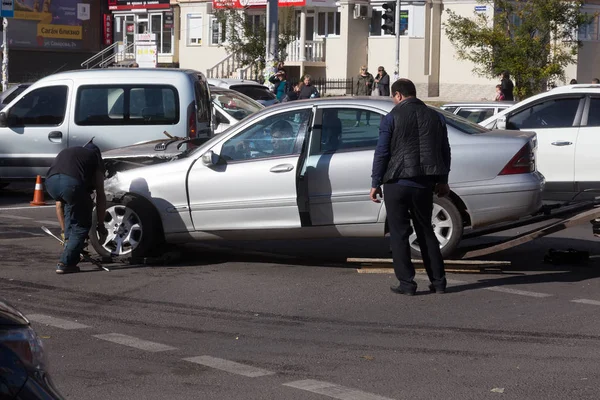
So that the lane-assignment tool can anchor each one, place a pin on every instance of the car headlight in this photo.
(26, 344)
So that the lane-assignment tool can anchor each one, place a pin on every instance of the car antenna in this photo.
(90, 141)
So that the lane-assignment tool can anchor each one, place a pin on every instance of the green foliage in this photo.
(533, 39)
(249, 40)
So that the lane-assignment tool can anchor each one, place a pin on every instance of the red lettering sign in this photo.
(255, 3)
(107, 28)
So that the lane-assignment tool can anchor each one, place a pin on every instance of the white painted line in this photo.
(229, 366)
(134, 342)
(55, 223)
(519, 292)
(451, 281)
(586, 301)
(14, 216)
(56, 322)
(26, 208)
(333, 390)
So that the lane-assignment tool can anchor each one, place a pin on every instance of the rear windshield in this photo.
(235, 104)
(462, 124)
(255, 92)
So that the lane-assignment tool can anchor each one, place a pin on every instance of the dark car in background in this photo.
(23, 367)
(252, 89)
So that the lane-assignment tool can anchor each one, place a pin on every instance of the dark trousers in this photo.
(359, 114)
(78, 214)
(404, 203)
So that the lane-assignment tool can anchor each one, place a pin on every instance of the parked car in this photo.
(477, 111)
(252, 89)
(13, 91)
(23, 367)
(567, 122)
(117, 107)
(302, 169)
(230, 107)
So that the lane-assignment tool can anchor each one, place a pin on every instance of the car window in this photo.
(41, 107)
(13, 95)
(476, 115)
(202, 100)
(256, 92)
(594, 113)
(274, 136)
(449, 109)
(462, 124)
(127, 105)
(553, 113)
(349, 128)
(235, 105)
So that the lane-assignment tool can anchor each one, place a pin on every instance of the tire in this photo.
(448, 224)
(133, 230)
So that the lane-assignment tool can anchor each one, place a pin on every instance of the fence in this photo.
(334, 87)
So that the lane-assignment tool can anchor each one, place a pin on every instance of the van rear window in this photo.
(127, 105)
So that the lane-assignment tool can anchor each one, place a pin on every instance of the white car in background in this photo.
(230, 107)
(477, 111)
(567, 122)
(252, 89)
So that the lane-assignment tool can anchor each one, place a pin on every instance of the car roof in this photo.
(117, 73)
(480, 103)
(231, 82)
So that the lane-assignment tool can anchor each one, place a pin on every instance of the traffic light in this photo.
(389, 18)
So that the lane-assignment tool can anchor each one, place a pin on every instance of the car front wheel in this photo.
(447, 225)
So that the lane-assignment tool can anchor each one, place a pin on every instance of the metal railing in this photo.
(111, 54)
(226, 67)
(107, 52)
(314, 51)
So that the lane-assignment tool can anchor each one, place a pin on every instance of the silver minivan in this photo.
(116, 107)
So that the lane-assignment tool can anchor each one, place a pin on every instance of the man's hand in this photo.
(102, 233)
(374, 193)
(442, 189)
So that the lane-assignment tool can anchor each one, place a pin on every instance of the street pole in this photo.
(397, 30)
(272, 38)
(4, 55)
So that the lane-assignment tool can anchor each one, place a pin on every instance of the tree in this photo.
(247, 37)
(532, 39)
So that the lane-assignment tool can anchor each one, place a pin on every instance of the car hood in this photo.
(156, 149)
(10, 316)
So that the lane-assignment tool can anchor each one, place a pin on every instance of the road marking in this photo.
(519, 292)
(55, 223)
(134, 342)
(229, 366)
(56, 322)
(14, 216)
(333, 390)
(25, 208)
(586, 301)
(451, 281)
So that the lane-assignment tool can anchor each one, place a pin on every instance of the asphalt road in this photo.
(225, 324)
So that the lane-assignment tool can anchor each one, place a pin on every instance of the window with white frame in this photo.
(589, 32)
(377, 21)
(328, 23)
(164, 36)
(256, 22)
(217, 31)
(194, 29)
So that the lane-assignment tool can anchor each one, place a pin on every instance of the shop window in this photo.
(194, 30)
(217, 31)
(328, 23)
(255, 23)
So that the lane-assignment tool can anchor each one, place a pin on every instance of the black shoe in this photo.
(397, 289)
(433, 289)
(63, 269)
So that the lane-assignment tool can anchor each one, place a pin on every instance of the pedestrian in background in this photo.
(595, 81)
(499, 94)
(293, 94)
(281, 85)
(74, 175)
(308, 91)
(507, 86)
(382, 83)
(412, 162)
(364, 87)
(573, 82)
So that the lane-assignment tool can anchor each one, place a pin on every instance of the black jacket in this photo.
(384, 84)
(419, 144)
(307, 92)
(507, 87)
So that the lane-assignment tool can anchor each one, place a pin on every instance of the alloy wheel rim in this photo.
(442, 224)
(124, 230)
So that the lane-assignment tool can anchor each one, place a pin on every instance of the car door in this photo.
(587, 161)
(253, 186)
(556, 122)
(35, 130)
(337, 171)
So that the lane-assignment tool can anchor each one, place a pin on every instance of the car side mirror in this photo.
(501, 124)
(3, 119)
(210, 158)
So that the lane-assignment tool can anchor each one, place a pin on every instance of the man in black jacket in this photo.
(412, 161)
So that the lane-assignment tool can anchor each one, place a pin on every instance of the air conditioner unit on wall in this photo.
(362, 11)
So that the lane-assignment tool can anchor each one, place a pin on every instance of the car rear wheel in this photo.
(132, 230)
(447, 224)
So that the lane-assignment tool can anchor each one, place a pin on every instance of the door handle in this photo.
(562, 143)
(55, 136)
(282, 168)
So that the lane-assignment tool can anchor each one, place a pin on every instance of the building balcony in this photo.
(312, 54)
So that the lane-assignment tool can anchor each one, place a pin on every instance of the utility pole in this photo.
(272, 38)
(4, 54)
(397, 31)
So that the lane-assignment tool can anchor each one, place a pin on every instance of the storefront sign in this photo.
(48, 24)
(168, 16)
(255, 3)
(145, 37)
(145, 55)
(8, 9)
(116, 5)
(107, 29)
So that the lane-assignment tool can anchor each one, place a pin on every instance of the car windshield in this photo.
(256, 92)
(462, 124)
(236, 105)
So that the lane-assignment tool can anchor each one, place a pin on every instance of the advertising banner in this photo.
(145, 54)
(8, 9)
(49, 24)
(107, 29)
(116, 5)
(255, 3)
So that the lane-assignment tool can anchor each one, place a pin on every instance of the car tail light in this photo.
(192, 125)
(522, 163)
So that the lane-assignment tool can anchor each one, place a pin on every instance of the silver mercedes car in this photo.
(302, 170)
